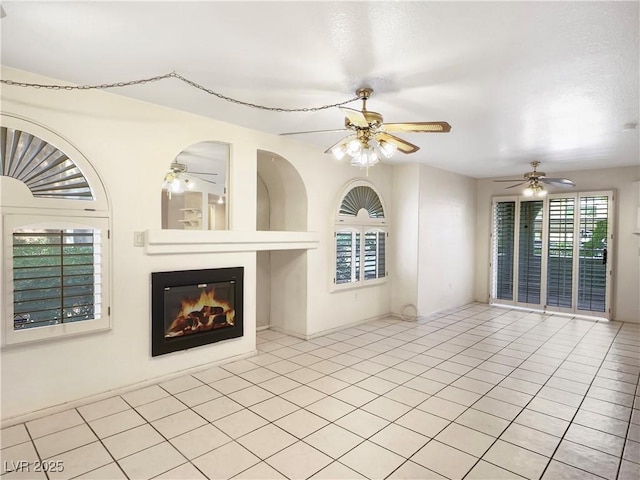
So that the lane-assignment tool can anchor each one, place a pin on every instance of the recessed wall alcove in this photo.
(282, 274)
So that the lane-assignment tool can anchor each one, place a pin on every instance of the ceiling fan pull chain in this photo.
(176, 76)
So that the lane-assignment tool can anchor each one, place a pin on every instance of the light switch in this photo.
(138, 239)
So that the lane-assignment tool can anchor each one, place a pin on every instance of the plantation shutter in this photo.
(56, 276)
(347, 257)
(592, 264)
(530, 252)
(504, 216)
(560, 256)
(374, 255)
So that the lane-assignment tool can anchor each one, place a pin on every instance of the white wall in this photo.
(447, 240)
(626, 272)
(131, 144)
(433, 241)
(404, 239)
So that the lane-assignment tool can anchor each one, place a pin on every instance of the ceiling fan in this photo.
(534, 180)
(371, 138)
(178, 178)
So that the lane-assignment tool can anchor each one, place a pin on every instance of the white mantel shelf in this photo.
(166, 242)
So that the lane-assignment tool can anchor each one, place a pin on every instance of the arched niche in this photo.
(282, 196)
(195, 195)
(281, 274)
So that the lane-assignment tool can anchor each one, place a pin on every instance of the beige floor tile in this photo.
(144, 395)
(103, 408)
(160, 408)
(274, 408)
(386, 408)
(466, 439)
(68, 439)
(483, 422)
(226, 461)
(355, 395)
(337, 471)
(605, 442)
(422, 422)
(371, 460)
(301, 423)
(11, 436)
(407, 396)
(299, 461)
(186, 471)
(198, 395)
(119, 422)
(132, 441)
(444, 460)
(585, 458)
(542, 422)
(442, 408)
(260, 471)
(181, 384)
(330, 408)
(178, 423)
(54, 423)
(110, 471)
(152, 461)
(266, 440)
(81, 460)
(217, 408)
(531, 439)
(200, 441)
(412, 471)
(333, 440)
(362, 423)
(561, 471)
(399, 440)
(250, 396)
(487, 471)
(303, 396)
(240, 423)
(516, 459)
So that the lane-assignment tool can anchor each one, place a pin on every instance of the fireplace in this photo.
(190, 308)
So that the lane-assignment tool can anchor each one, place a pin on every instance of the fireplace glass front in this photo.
(191, 308)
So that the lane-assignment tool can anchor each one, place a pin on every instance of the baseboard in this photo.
(26, 417)
(260, 329)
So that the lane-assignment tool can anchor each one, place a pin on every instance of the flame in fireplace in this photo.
(201, 314)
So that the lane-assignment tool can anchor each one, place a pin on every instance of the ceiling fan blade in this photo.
(190, 176)
(356, 117)
(557, 182)
(517, 180)
(315, 131)
(403, 146)
(344, 141)
(517, 185)
(200, 173)
(434, 127)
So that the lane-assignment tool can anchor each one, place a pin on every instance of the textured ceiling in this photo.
(520, 81)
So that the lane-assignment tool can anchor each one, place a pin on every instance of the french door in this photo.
(553, 253)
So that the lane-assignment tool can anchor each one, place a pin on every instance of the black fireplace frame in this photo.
(161, 280)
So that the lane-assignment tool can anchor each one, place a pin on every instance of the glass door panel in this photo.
(592, 262)
(504, 220)
(530, 252)
(560, 252)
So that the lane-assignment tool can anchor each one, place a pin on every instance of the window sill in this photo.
(358, 285)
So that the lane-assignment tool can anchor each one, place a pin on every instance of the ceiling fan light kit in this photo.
(371, 141)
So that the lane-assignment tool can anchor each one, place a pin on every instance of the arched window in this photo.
(55, 237)
(360, 237)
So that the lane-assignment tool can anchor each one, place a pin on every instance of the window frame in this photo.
(13, 222)
(362, 224)
(19, 208)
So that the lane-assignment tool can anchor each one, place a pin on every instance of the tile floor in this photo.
(474, 393)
